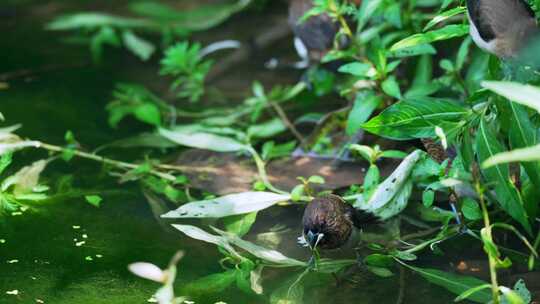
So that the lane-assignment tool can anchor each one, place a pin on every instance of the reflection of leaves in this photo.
(454, 283)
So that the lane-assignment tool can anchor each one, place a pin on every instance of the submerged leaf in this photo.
(148, 271)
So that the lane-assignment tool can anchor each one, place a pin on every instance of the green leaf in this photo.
(201, 140)
(466, 294)
(5, 161)
(359, 69)
(471, 209)
(105, 36)
(148, 113)
(240, 224)
(428, 197)
(232, 204)
(444, 16)
(487, 146)
(390, 86)
(94, 200)
(362, 109)
(380, 271)
(447, 32)
(526, 95)
(417, 118)
(455, 283)
(268, 129)
(138, 46)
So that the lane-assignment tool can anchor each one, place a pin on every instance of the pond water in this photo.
(41, 255)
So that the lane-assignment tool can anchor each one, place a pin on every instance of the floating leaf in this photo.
(94, 200)
(228, 205)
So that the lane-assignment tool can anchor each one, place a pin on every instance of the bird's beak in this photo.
(313, 239)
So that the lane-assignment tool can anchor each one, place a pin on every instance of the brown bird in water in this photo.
(328, 222)
(315, 36)
(502, 27)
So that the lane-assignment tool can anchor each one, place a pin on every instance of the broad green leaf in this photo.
(5, 161)
(232, 204)
(240, 224)
(444, 16)
(417, 118)
(416, 50)
(526, 95)
(487, 146)
(201, 140)
(457, 284)
(362, 109)
(138, 46)
(447, 32)
(522, 135)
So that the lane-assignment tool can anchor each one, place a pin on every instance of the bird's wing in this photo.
(500, 15)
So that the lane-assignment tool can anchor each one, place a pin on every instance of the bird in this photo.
(328, 222)
(314, 37)
(502, 27)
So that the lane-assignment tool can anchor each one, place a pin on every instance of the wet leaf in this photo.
(526, 95)
(232, 204)
(94, 200)
(392, 195)
(201, 140)
(211, 284)
(25, 179)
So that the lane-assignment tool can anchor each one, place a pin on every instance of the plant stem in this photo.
(489, 235)
(108, 161)
(262, 171)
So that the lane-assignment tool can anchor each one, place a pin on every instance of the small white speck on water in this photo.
(16, 213)
(89, 258)
(84, 236)
(13, 292)
(152, 300)
(2, 241)
(39, 301)
(76, 227)
(79, 244)
(13, 261)
(99, 256)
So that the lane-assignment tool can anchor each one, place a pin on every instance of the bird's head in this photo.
(313, 238)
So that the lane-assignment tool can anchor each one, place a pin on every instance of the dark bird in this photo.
(329, 222)
(314, 36)
(502, 27)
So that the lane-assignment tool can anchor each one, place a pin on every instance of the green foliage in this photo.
(187, 66)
